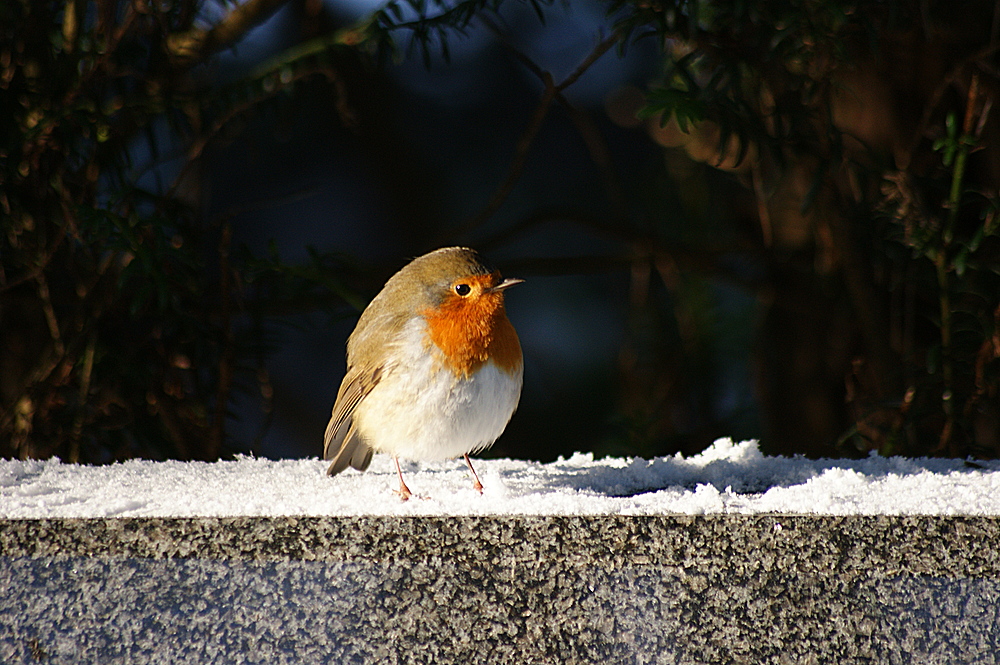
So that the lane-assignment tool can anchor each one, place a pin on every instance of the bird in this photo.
(434, 367)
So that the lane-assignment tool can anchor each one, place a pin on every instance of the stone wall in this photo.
(517, 589)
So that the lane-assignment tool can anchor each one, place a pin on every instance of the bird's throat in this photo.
(470, 332)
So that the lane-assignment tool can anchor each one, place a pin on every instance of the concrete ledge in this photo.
(614, 589)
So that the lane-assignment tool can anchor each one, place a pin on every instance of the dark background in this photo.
(773, 221)
(432, 146)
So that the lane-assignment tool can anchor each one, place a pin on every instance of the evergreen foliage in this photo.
(863, 134)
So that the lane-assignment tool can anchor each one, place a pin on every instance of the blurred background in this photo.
(774, 222)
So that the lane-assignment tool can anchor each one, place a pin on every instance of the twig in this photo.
(191, 47)
(517, 163)
(603, 47)
(942, 260)
(85, 377)
(199, 144)
(600, 154)
(552, 92)
(715, 260)
(40, 265)
(938, 93)
(50, 314)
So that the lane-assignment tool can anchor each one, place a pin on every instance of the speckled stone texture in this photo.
(520, 589)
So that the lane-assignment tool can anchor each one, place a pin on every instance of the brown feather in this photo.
(342, 443)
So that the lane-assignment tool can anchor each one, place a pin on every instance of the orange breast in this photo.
(471, 330)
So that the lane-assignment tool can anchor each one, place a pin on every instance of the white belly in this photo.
(421, 410)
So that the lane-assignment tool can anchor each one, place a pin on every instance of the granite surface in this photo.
(615, 589)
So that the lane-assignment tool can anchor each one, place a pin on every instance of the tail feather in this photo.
(342, 443)
(352, 451)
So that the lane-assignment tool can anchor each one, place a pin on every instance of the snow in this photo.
(728, 477)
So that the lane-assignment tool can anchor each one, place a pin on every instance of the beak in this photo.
(506, 284)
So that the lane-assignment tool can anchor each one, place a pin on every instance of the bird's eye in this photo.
(463, 289)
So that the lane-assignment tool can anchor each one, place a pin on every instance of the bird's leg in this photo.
(478, 486)
(404, 491)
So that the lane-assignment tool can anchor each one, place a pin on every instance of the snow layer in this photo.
(728, 477)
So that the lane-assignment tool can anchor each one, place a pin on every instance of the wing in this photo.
(342, 443)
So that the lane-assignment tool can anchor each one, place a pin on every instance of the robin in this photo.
(433, 367)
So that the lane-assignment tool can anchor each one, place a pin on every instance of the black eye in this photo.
(463, 289)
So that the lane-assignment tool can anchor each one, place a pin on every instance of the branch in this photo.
(189, 48)
(520, 157)
(949, 79)
(199, 143)
(592, 137)
(552, 92)
(603, 47)
(712, 259)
